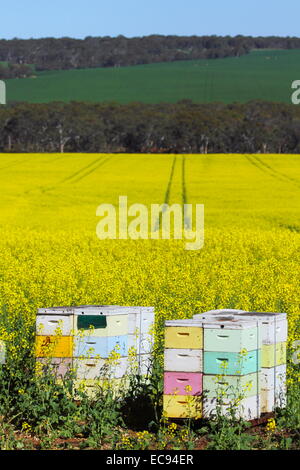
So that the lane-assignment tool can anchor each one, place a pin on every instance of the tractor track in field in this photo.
(279, 173)
(258, 164)
(186, 220)
(276, 172)
(51, 159)
(167, 194)
(20, 160)
(291, 227)
(264, 167)
(92, 170)
(75, 177)
(168, 190)
(184, 193)
(78, 173)
(15, 162)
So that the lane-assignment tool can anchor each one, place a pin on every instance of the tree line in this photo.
(69, 53)
(15, 71)
(184, 127)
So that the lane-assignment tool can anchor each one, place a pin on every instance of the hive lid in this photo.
(268, 317)
(230, 322)
(94, 310)
(223, 311)
(56, 311)
(188, 322)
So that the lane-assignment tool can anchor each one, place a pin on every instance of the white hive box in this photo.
(273, 376)
(274, 325)
(272, 399)
(183, 360)
(273, 388)
(247, 409)
(52, 324)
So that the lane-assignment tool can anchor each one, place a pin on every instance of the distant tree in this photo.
(69, 53)
(184, 127)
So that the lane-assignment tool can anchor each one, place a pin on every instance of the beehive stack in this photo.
(273, 372)
(83, 338)
(232, 364)
(183, 364)
(243, 367)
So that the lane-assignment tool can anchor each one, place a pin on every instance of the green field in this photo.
(265, 74)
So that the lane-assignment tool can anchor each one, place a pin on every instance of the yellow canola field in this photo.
(50, 253)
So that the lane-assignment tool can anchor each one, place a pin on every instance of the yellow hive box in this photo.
(273, 354)
(183, 337)
(54, 346)
(182, 406)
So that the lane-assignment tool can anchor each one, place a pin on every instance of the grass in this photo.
(42, 415)
(37, 413)
(265, 74)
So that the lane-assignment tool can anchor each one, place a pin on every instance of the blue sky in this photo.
(75, 18)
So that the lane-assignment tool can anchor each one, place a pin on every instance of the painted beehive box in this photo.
(84, 339)
(226, 360)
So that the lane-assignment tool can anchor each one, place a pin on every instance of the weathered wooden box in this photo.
(95, 341)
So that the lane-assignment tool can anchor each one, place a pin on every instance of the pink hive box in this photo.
(175, 383)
